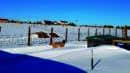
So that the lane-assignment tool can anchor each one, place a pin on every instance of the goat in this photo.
(58, 44)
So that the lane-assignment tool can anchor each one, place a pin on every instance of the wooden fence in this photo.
(79, 34)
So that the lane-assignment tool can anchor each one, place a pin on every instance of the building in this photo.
(3, 20)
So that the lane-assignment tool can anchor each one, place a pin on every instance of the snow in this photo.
(25, 50)
(113, 59)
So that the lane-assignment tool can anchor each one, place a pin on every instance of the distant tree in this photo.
(108, 26)
(120, 27)
(64, 21)
(29, 22)
(34, 22)
(128, 27)
(83, 25)
(12, 21)
(72, 24)
(38, 22)
(48, 22)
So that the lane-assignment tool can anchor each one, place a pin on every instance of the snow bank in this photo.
(25, 50)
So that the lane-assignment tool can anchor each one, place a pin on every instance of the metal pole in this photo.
(109, 31)
(115, 31)
(122, 32)
(96, 31)
(88, 31)
(79, 34)
(92, 60)
(125, 33)
(51, 39)
(29, 36)
(103, 31)
(66, 35)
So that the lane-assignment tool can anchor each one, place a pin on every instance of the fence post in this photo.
(125, 32)
(51, 38)
(79, 34)
(109, 31)
(115, 31)
(96, 31)
(122, 32)
(88, 31)
(29, 36)
(103, 31)
(66, 35)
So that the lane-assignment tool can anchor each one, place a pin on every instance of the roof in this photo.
(3, 19)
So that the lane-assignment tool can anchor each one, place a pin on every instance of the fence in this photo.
(13, 35)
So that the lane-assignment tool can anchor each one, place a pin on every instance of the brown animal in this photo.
(58, 44)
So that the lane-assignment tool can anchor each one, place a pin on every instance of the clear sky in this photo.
(80, 11)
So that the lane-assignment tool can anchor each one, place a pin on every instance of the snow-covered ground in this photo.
(113, 59)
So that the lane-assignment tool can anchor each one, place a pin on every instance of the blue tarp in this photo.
(16, 63)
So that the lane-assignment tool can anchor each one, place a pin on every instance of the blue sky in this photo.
(79, 11)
